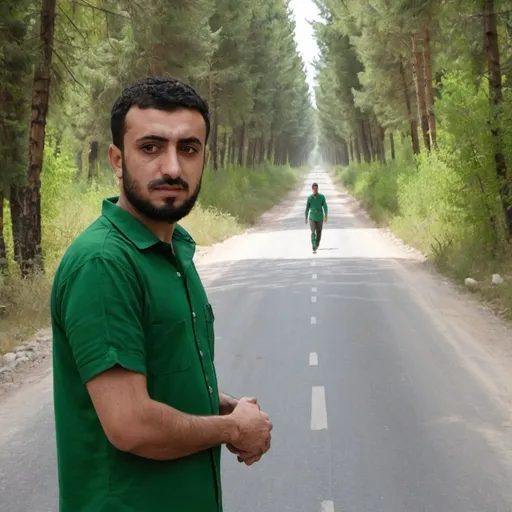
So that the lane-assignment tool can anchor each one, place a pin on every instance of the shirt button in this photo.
(178, 274)
(201, 353)
(210, 389)
(194, 314)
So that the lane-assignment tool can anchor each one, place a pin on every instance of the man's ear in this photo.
(115, 158)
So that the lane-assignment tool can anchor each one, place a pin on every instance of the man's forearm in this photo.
(164, 433)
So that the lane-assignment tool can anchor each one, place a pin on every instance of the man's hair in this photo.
(155, 92)
(314, 185)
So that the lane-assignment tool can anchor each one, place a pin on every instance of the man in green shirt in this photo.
(316, 209)
(139, 418)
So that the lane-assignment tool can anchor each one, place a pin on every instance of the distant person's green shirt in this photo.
(121, 297)
(315, 206)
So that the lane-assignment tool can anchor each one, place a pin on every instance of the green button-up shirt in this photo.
(120, 297)
(316, 206)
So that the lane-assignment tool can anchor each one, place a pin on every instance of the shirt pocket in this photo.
(169, 348)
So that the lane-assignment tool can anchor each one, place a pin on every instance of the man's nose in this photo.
(171, 164)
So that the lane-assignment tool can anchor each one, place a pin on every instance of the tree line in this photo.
(63, 62)
(384, 68)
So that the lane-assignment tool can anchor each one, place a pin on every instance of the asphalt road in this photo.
(380, 400)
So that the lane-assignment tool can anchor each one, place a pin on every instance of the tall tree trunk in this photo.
(94, 152)
(371, 139)
(241, 145)
(380, 138)
(358, 149)
(224, 149)
(392, 145)
(495, 99)
(374, 130)
(231, 150)
(214, 143)
(364, 142)
(412, 118)
(344, 153)
(419, 82)
(255, 151)
(247, 146)
(261, 157)
(270, 149)
(429, 86)
(283, 152)
(250, 153)
(3, 252)
(351, 150)
(279, 154)
(375, 136)
(25, 200)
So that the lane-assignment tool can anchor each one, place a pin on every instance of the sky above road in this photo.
(305, 11)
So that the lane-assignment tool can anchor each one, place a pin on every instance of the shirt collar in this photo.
(135, 231)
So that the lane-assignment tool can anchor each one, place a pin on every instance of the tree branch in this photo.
(481, 14)
(70, 44)
(101, 9)
(67, 69)
(72, 23)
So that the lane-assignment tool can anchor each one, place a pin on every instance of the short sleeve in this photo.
(101, 311)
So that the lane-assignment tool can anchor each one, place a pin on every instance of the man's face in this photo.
(161, 165)
(315, 190)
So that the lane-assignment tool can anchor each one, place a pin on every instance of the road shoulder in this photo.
(479, 336)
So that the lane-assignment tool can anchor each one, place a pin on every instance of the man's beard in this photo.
(166, 213)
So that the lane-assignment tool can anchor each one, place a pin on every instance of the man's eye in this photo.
(188, 149)
(149, 148)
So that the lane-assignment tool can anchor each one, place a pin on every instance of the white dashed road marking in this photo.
(318, 408)
(327, 506)
(313, 299)
(314, 276)
(313, 290)
(313, 320)
(313, 359)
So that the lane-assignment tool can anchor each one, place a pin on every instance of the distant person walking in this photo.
(316, 210)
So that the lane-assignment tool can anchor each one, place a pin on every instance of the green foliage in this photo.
(429, 203)
(246, 195)
(375, 186)
(445, 203)
(15, 67)
(240, 57)
(446, 198)
(448, 202)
